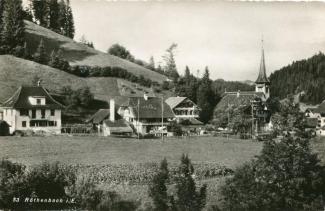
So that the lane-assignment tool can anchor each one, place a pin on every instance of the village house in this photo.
(107, 123)
(186, 113)
(32, 108)
(147, 115)
(319, 114)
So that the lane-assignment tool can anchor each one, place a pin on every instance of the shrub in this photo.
(286, 176)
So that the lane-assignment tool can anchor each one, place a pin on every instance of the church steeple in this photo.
(262, 82)
(262, 78)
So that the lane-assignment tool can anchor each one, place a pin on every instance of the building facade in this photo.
(147, 115)
(32, 108)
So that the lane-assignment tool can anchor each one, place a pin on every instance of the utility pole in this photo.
(138, 118)
(162, 117)
(252, 103)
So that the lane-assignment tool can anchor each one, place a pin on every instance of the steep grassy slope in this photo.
(15, 72)
(79, 54)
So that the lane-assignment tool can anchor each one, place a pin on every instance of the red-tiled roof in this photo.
(150, 108)
(20, 100)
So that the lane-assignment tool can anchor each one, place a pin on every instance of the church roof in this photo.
(237, 99)
(262, 78)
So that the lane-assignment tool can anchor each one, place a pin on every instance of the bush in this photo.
(286, 176)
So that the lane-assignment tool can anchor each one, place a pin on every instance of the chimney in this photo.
(112, 110)
(145, 96)
(39, 82)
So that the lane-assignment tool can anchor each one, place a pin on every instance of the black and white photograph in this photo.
(162, 105)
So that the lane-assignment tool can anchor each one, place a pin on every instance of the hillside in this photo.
(80, 54)
(305, 76)
(15, 72)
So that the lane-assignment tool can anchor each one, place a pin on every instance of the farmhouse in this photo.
(32, 108)
(107, 123)
(319, 114)
(186, 113)
(147, 115)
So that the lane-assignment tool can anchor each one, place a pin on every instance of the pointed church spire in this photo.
(262, 78)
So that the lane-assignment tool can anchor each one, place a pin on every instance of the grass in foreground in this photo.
(104, 150)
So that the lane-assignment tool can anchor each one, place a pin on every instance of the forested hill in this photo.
(307, 76)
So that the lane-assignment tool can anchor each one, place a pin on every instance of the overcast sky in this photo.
(225, 36)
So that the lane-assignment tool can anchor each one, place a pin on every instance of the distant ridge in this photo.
(80, 54)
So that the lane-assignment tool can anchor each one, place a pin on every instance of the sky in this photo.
(225, 36)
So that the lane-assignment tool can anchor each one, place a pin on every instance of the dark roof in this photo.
(191, 121)
(150, 108)
(262, 78)
(118, 126)
(234, 99)
(320, 109)
(311, 122)
(20, 99)
(99, 116)
(174, 101)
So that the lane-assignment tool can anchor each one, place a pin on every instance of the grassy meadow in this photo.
(103, 151)
(111, 150)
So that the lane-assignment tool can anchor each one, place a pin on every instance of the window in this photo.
(38, 101)
(43, 113)
(32, 124)
(23, 123)
(52, 112)
(33, 114)
(23, 112)
(52, 123)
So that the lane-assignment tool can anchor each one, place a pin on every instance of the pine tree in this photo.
(188, 198)
(54, 13)
(54, 60)
(2, 7)
(62, 16)
(170, 64)
(12, 33)
(41, 12)
(69, 29)
(158, 188)
(151, 64)
(40, 55)
(206, 97)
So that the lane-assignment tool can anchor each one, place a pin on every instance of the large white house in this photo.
(32, 108)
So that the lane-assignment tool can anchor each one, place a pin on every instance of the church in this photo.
(251, 101)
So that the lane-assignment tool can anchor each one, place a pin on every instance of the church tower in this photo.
(262, 83)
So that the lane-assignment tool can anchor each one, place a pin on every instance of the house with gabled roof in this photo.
(319, 114)
(249, 99)
(107, 123)
(186, 113)
(32, 108)
(147, 115)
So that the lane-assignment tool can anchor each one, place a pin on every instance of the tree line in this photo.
(306, 76)
(55, 15)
